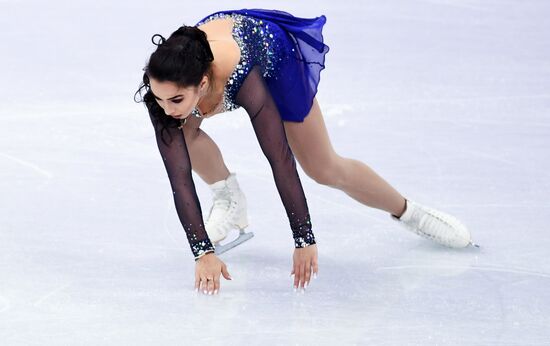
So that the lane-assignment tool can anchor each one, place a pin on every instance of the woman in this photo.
(269, 63)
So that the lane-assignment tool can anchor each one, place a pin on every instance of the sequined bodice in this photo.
(257, 45)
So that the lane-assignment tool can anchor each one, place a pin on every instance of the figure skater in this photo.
(269, 63)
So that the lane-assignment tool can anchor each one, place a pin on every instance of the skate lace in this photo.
(220, 207)
(439, 226)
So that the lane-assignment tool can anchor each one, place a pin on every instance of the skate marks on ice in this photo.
(488, 268)
(51, 293)
(28, 165)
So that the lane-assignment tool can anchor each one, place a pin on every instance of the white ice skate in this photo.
(435, 225)
(228, 212)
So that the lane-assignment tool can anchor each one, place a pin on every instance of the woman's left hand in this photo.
(305, 261)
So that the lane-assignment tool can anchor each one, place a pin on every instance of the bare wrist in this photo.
(204, 254)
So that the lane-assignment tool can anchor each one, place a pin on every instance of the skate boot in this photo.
(435, 225)
(228, 212)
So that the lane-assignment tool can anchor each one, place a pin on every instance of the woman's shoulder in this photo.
(216, 22)
(219, 33)
(215, 16)
(219, 29)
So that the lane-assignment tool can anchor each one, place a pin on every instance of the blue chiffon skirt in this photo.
(294, 61)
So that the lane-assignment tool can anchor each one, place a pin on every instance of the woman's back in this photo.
(226, 53)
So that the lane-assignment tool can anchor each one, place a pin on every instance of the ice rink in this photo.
(448, 100)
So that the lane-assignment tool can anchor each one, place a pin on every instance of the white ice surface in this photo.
(448, 100)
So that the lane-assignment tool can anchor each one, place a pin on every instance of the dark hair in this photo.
(184, 58)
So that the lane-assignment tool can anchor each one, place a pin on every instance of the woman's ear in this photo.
(203, 86)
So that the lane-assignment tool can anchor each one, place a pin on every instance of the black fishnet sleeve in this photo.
(178, 167)
(255, 98)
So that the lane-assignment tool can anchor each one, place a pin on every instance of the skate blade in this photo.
(472, 244)
(243, 236)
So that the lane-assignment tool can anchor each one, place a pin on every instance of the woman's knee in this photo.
(191, 129)
(191, 134)
(325, 172)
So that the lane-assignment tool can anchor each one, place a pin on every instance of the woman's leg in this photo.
(206, 158)
(311, 146)
(228, 209)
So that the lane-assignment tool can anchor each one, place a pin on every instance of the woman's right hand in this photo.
(207, 274)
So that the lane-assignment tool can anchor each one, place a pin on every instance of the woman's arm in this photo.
(178, 167)
(255, 98)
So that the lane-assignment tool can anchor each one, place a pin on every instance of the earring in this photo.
(196, 113)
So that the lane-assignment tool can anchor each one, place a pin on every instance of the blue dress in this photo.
(289, 50)
(276, 79)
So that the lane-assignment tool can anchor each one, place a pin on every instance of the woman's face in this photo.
(176, 101)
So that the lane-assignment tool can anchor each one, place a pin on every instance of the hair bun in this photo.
(196, 34)
(190, 31)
